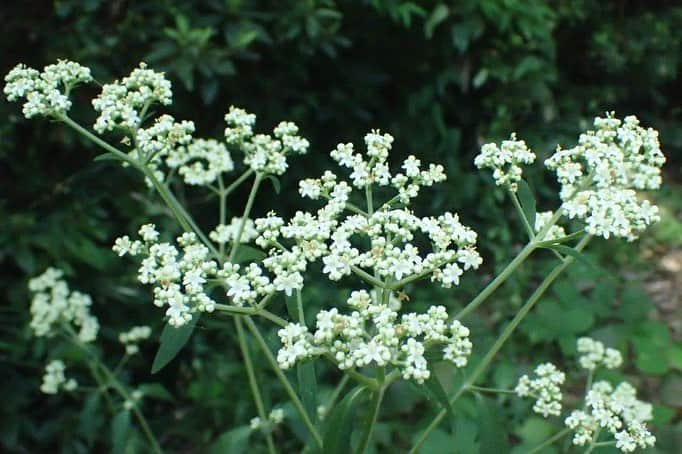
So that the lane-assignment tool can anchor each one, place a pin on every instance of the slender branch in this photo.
(365, 276)
(375, 406)
(482, 366)
(482, 389)
(247, 210)
(236, 183)
(253, 384)
(337, 392)
(259, 311)
(557, 436)
(283, 379)
(499, 280)
(526, 223)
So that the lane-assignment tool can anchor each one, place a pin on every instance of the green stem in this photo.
(482, 389)
(259, 311)
(180, 214)
(557, 436)
(222, 208)
(526, 223)
(365, 276)
(337, 392)
(119, 388)
(247, 210)
(485, 362)
(236, 183)
(499, 280)
(299, 308)
(368, 196)
(255, 391)
(375, 406)
(283, 379)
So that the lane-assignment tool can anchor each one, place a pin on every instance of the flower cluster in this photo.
(601, 175)
(54, 305)
(122, 104)
(264, 153)
(46, 92)
(135, 397)
(374, 334)
(593, 354)
(201, 162)
(334, 236)
(616, 410)
(545, 388)
(131, 338)
(555, 231)
(54, 378)
(179, 277)
(275, 418)
(228, 233)
(505, 161)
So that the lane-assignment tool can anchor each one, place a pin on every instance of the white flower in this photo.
(54, 378)
(545, 388)
(505, 161)
(594, 354)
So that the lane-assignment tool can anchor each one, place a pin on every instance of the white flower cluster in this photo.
(601, 175)
(179, 277)
(54, 378)
(375, 334)
(122, 104)
(201, 162)
(227, 233)
(505, 161)
(555, 232)
(263, 153)
(46, 92)
(275, 417)
(54, 304)
(545, 388)
(617, 410)
(593, 354)
(332, 236)
(134, 336)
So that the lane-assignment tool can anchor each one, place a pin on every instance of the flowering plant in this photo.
(365, 232)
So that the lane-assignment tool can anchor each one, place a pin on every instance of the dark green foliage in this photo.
(442, 77)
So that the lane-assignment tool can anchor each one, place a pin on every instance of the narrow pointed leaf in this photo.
(527, 202)
(339, 423)
(172, 341)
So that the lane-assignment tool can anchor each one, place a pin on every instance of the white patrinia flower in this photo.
(544, 388)
(55, 379)
(505, 161)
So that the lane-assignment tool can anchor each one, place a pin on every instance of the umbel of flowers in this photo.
(365, 230)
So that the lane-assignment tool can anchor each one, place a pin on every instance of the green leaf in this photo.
(435, 389)
(305, 371)
(89, 420)
(234, 441)
(247, 253)
(339, 424)
(527, 203)
(156, 391)
(438, 15)
(172, 341)
(492, 433)
(120, 430)
(579, 256)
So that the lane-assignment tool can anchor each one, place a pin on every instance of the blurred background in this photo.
(443, 78)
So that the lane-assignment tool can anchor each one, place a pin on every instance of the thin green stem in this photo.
(337, 392)
(247, 210)
(113, 382)
(506, 333)
(551, 440)
(222, 208)
(236, 183)
(258, 311)
(482, 389)
(368, 197)
(365, 276)
(299, 308)
(526, 223)
(499, 280)
(375, 406)
(253, 383)
(180, 214)
(283, 379)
